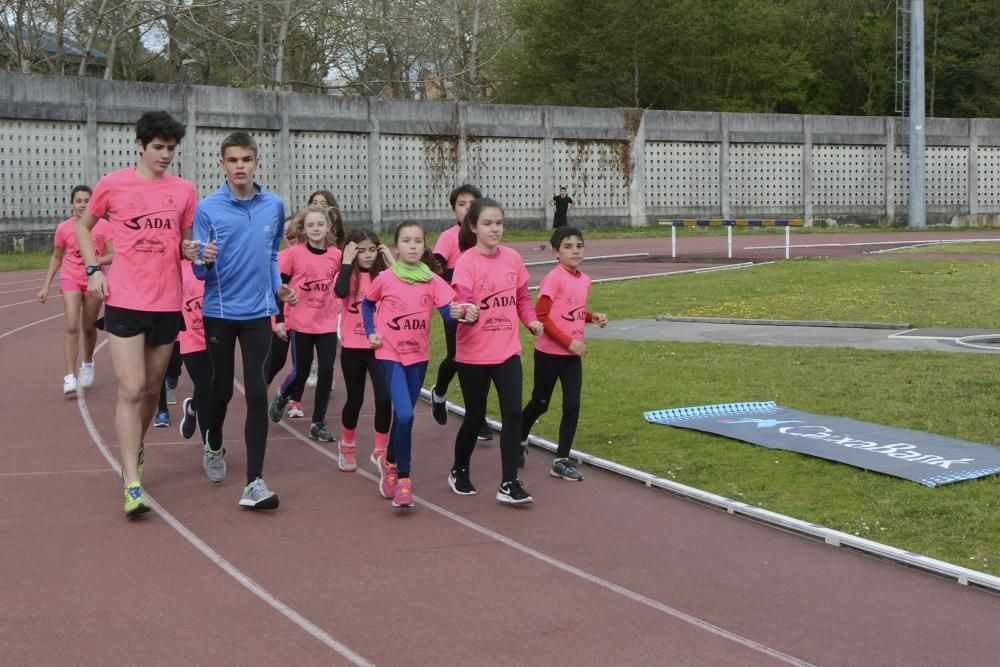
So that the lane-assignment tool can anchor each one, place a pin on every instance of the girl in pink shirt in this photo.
(194, 354)
(310, 270)
(364, 259)
(493, 278)
(562, 309)
(81, 308)
(399, 331)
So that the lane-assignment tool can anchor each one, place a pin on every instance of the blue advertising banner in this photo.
(931, 460)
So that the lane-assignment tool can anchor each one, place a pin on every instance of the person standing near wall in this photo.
(562, 203)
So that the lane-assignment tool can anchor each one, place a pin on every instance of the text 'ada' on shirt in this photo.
(568, 292)
(313, 276)
(404, 314)
(146, 218)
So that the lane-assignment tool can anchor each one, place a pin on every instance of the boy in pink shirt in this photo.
(407, 293)
(82, 309)
(151, 212)
(562, 310)
(493, 278)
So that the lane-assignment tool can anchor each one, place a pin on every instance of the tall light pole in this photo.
(917, 211)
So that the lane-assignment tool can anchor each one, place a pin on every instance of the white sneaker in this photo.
(86, 374)
(313, 377)
(69, 384)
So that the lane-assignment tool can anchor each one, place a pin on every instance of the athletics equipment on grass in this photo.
(926, 458)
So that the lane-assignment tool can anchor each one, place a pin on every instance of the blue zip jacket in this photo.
(241, 283)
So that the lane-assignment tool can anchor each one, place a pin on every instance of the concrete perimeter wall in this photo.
(391, 160)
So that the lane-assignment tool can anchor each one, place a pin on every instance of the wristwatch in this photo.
(92, 269)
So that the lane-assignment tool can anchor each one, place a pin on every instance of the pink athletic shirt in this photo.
(569, 294)
(72, 263)
(498, 284)
(403, 315)
(313, 277)
(146, 222)
(352, 325)
(193, 339)
(447, 246)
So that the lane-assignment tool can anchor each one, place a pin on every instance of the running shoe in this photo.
(162, 419)
(387, 479)
(460, 483)
(277, 407)
(213, 462)
(69, 384)
(485, 432)
(565, 469)
(135, 501)
(190, 421)
(439, 407)
(318, 432)
(377, 455)
(404, 495)
(513, 493)
(522, 453)
(257, 496)
(86, 374)
(171, 382)
(171, 399)
(313, 376)
(345, 456)
(295, 410)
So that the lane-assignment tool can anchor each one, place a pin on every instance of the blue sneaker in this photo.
(172, 382)
(190, 421)
(162, 419)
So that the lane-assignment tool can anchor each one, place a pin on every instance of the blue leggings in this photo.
(404, 384)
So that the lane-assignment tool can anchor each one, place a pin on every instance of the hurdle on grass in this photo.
(728, 224)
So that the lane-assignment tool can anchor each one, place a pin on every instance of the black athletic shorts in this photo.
(160, 328)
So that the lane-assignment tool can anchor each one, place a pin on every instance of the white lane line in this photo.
(53, 472)
(26, 280)
(570, 569)
(214, 556)
(26, 289)
(595, 258)
(21, 303)
(14, 331)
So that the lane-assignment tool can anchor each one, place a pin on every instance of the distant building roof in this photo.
(48, 42)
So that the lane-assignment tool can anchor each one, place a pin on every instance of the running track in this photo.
(599, 573)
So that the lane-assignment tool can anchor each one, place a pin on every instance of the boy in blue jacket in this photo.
(243, 225)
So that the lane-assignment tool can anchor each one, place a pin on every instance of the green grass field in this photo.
(967, 248)
(950, 394)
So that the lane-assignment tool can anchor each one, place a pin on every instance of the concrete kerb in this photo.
(836, 538)
(787, 323)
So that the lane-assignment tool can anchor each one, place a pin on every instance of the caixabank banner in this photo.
(927, 458)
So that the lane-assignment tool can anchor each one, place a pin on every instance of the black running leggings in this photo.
(356, 363)
(173, 371)
(475, 382)
(199, 368)
(302, 345)
(568, 370)
(277, 358)
(254, 337)
(446, 370)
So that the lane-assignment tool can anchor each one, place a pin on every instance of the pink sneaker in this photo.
(295, 410)
(387, 480)
(403, 496)
(345, 458)
(377, 456)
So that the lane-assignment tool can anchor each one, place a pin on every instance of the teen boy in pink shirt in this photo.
(562, 310)
(150, 211)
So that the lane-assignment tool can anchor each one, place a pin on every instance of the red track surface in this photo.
(603, 572)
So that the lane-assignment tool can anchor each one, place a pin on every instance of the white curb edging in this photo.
(962, 575)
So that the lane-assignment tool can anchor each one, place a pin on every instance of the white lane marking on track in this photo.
(26, 280)
(26, 289)
(21, 303)
(569, 569)
(14, 331)
(214, 556)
